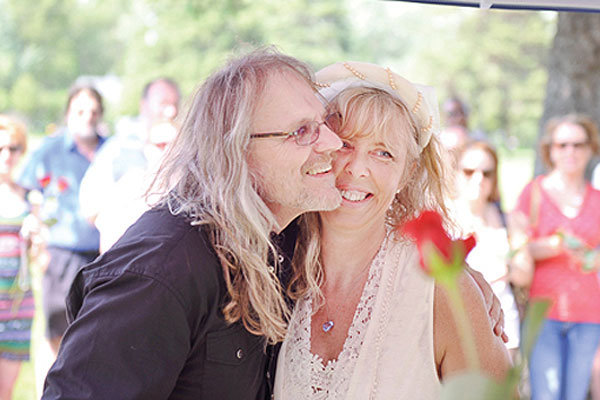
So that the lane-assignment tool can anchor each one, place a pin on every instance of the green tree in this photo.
(47, 45)
(498, 67)
(188, 40)
(573, 70)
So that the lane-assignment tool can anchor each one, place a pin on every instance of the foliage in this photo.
(485, 57)
(190, 39)
(46, 46)
(496, 66)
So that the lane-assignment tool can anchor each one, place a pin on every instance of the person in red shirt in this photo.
(559, 213)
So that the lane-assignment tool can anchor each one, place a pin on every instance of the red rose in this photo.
(433, 242)
(45, 181)
(62, 184)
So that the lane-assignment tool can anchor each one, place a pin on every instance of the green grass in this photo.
(25, 388)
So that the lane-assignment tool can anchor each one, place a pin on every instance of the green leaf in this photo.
(440, 269)
(474, 386)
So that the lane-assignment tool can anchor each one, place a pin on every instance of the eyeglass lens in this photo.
(309, 133)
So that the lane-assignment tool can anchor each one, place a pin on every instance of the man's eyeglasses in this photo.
(575, 145)
(11, 149)
(308, 133)
(486, 173)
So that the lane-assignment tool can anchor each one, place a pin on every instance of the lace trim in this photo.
(307, 377)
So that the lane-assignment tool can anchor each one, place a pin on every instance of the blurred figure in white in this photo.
(476, 210)
(159, 101)
(121, 210)
(127, 149)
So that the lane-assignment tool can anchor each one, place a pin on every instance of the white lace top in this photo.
(366, 368)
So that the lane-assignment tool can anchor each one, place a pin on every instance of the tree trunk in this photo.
(573, 70)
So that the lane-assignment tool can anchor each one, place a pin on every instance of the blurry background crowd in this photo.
(92, 91)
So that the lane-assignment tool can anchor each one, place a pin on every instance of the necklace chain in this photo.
(329, 323)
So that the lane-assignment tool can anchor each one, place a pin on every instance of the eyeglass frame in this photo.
(314, 136)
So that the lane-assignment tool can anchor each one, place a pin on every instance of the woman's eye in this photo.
(384, 153)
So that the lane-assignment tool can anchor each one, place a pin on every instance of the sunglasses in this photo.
(486, 173)
(308, 133)
(11, 149)
(574, 145)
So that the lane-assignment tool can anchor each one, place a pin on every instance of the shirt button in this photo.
(280, 258)
(268, 375)
(239, 354)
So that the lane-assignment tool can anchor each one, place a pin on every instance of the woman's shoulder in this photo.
(491, 352)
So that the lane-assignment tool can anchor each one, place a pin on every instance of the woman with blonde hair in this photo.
(16, 298)
(558, 216)
(367, 322)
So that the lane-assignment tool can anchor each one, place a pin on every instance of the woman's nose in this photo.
(356, 166)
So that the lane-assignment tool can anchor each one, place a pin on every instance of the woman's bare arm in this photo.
(450, 357)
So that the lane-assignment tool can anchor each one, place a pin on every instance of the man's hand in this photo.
(491, 301)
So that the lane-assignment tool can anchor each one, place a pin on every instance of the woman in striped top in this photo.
(16, 299)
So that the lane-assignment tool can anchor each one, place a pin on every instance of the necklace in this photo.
(329, 323)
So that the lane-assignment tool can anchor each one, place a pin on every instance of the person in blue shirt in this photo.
(55, 169)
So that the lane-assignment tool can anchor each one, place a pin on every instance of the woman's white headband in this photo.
(420, 100)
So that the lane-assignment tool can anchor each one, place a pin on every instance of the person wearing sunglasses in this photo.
(558, 213)
(367, 322)
(476, 210)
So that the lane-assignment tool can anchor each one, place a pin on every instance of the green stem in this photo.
(464, 325)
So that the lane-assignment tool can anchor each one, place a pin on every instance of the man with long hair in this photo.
(184, 303)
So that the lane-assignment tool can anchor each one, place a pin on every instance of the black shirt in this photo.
(147, 322)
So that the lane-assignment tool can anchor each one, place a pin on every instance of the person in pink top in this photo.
(559, 213)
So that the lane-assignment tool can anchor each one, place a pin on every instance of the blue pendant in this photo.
(327, 326)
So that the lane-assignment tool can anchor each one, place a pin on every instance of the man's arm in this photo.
(129, 340)
(492, 303)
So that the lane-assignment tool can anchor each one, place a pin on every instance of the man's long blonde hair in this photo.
(372, 111)
(207, 173)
